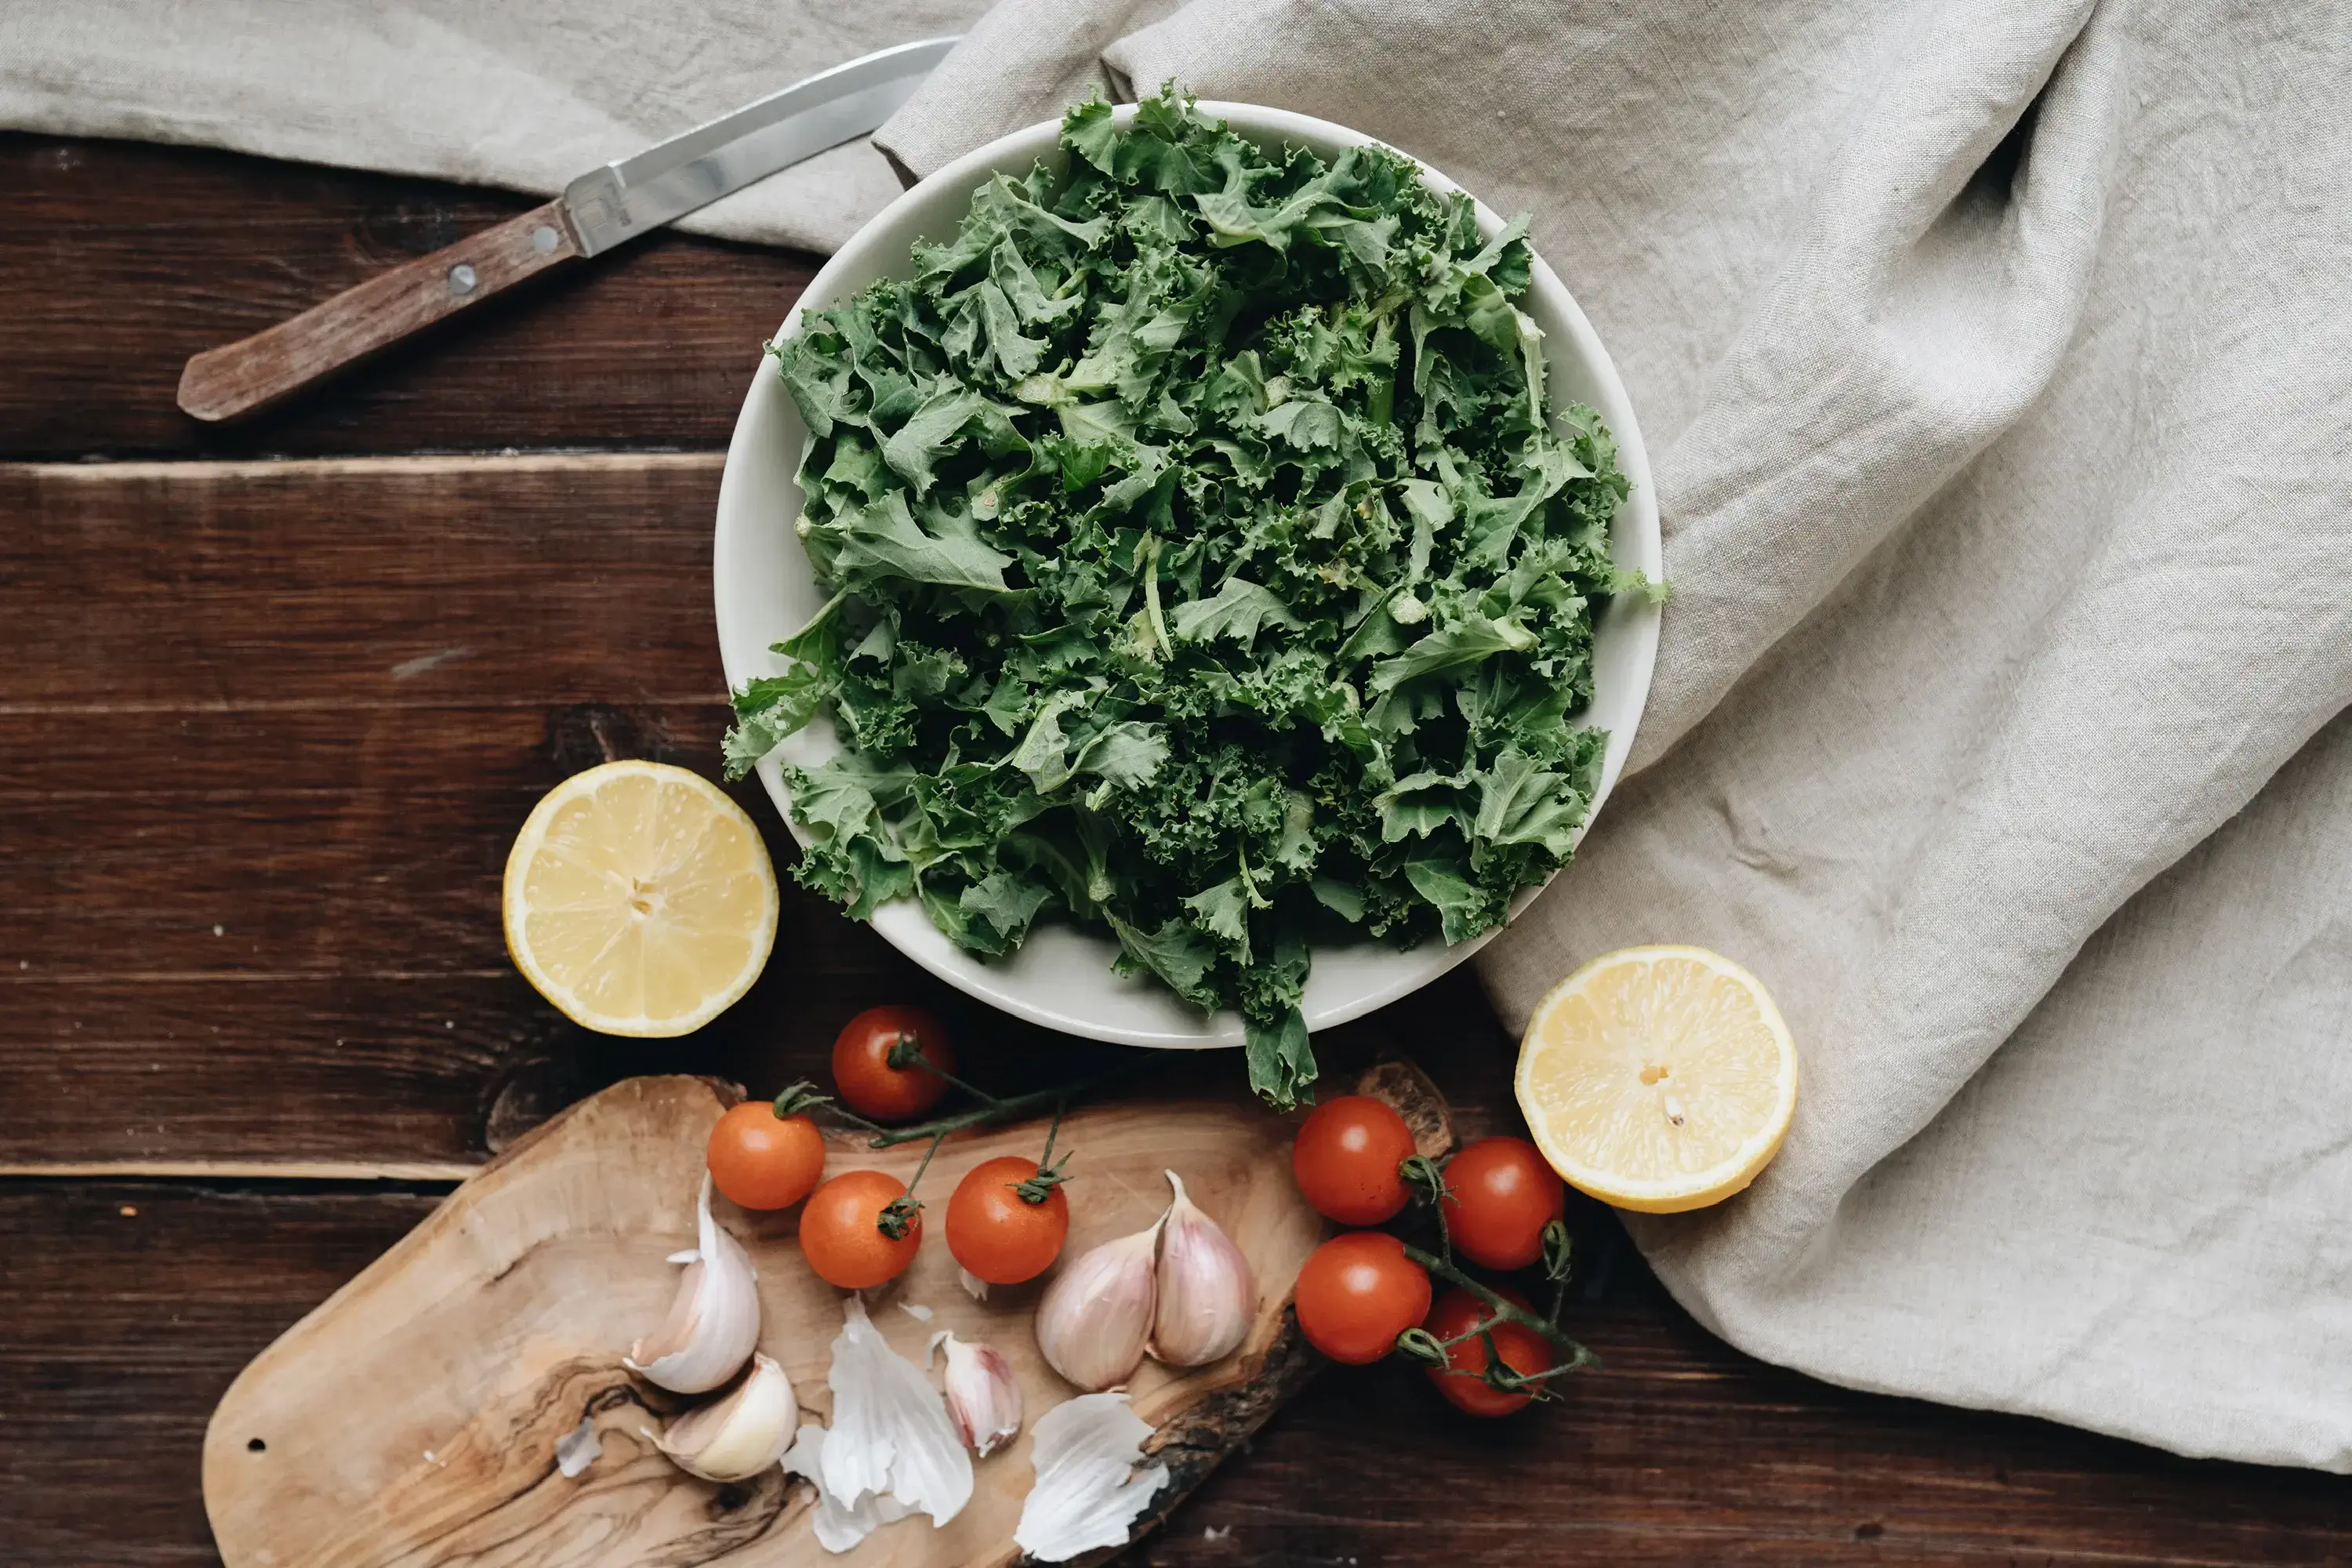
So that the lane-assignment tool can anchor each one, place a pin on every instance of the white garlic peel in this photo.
(1205, 1293)
(840, 1526)
(578, 1449)
(890, 1434)
(735, 1438)
(983, 1396)
(1094, 1318)
(714, 1320)
(1089, 1487)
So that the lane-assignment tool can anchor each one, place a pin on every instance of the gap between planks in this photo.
(508, 462)
(247, 1170)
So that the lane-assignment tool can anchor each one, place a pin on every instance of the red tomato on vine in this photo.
(762, 1160)
(1462, 1380)
(843, 1234)
(1008, 1219)
(1357, 1293)
(1500, 1194)
(861, 1068)
(1346, 1158)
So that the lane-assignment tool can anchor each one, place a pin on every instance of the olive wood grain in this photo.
(244, 378)
(130, 1306)
(412, 1418)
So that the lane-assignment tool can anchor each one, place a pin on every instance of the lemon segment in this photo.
(1658, 1078)
(639, 899)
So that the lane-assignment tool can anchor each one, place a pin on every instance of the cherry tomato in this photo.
(999, 1235)
(861, 1062)
(1357, 1293)
(763, 1161)
(1346, 1158)
(1462, 1380)
(1499, 1196)
(841, 1231)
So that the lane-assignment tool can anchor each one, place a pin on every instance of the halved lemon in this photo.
(1658, 1078)
(639, 899)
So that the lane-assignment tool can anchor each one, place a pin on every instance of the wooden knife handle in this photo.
(238, 378)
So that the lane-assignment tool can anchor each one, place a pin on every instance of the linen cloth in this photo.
(1996, 358)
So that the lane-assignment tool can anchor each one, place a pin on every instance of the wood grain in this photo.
(337, 1449)
(242, 378)
(118, 261)
(144, 592)
(122, 1330)
(214, 648)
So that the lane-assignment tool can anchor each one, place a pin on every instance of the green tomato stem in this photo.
(1505, 1309)
(1010, 1109)
(906, 1051)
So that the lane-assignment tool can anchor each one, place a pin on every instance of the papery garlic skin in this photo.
(840, 1526)
(736, 1437)
(578, 1449)
(1092, 1483)
(1094, 1318)
(891, 1433)
(714, 1320)
(983, 1396)
(1206, 1296)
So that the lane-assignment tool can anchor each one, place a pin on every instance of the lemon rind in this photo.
(1725, 1179)
(512, 907)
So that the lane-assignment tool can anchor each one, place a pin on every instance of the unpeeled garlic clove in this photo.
(714, 1320)
(1205, 1293)
(735, 1438)
(984, 1397)
(1094, 1317)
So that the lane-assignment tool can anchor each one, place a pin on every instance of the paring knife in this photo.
(606, 207)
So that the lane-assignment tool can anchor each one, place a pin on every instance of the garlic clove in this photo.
(891, 1436)
(1094, 1318)
(736, 1437)
(714, 1320)
(1092, 1483)
(984, 1397)
(1205, 1293)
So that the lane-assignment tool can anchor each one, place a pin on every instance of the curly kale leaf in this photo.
(1208, 565)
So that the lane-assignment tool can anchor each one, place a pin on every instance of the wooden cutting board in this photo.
(411, 1421)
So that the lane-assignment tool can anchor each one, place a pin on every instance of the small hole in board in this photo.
(256, 1446)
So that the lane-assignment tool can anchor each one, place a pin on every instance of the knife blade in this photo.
(602, 208)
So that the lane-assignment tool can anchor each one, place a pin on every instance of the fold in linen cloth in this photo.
(1997, 358)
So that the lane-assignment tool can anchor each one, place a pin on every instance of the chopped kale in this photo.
(1205, 568)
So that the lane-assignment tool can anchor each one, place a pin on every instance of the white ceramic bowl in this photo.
(1061, 977)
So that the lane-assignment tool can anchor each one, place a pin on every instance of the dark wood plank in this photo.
(261, 763)
(137, 593)
(115, 1346)
(307, 704)
(122, 1330)
(119, 260)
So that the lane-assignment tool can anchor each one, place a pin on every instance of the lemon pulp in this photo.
(1658, 1078)
(639, 899)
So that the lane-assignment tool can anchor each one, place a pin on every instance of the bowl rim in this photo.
(1631, 628)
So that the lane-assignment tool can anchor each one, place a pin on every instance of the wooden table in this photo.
(272, 703)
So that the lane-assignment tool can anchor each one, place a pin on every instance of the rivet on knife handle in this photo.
(242, 377)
